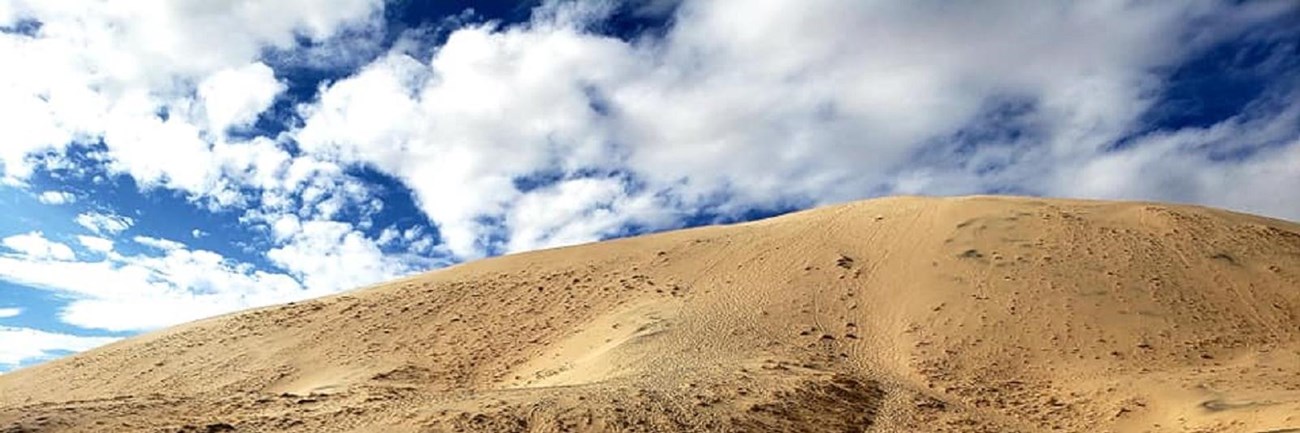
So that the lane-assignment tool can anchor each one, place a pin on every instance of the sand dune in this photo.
(977, 314)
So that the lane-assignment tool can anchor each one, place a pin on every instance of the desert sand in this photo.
(907, 314)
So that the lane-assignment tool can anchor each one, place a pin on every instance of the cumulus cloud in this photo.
(105, 223)
(8, 312)
(459, 131)
(156, 84)
(578, 211)
(331, 256)
(34, 245)
(20, 345)
(764, 104)
(56, 197)
(234, 97)
(736, 105)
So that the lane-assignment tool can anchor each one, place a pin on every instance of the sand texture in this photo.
(908, 314)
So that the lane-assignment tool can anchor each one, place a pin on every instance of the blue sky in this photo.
(164, 162)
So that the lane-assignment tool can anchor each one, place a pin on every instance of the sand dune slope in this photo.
(978, 314)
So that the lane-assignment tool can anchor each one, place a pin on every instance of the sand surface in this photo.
(975, 314)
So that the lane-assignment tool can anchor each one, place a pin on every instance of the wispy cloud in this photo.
(162, 244)
(122, 292)
(172, 283)
(104, 223)
(95, 243)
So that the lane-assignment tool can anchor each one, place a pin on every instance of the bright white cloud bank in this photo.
(746, 104)
(549, 133)
(738, 105)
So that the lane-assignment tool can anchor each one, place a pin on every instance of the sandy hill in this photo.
(978, 314)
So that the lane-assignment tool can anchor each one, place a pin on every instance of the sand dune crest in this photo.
(902, 314)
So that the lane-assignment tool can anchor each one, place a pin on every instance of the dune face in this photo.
(979, 314)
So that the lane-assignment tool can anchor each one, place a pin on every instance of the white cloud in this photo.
(234, 97)
(1175, 167)
(34, 245)
(8, 312)
(166, 286)
(388, 235)
(21, 345)
(162, 244)
(578, 211)
(738, 105)
(331, 256)
(196, 233)
(140, 292)
(159, 84)
(95, 243)
(459, 140)
(56, 197)
(189, 37)
(158, 151)
(172, 283)
(104, 223)
(756, 104)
